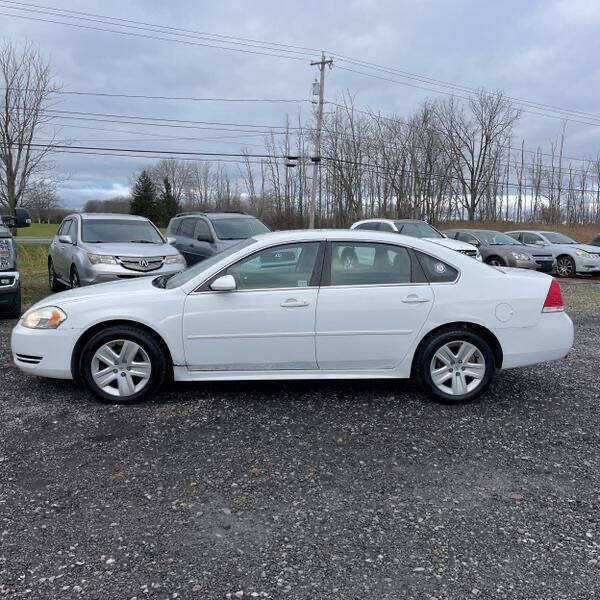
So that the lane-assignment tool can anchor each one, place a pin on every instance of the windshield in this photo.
(240, 228)
(558, 238)
(186, 275)
(105, 231)
(495, 238)
(418, 230)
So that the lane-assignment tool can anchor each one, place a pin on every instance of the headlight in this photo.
(582, 253)
(521, 256)
(174, 259)
(102, 259)
(6, 254)
(49, 317)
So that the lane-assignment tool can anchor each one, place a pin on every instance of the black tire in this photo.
(424, 357)
(13, 311)
(74, 279)
(152, 347)
(565, 266)
(53, 281)
(496, 261)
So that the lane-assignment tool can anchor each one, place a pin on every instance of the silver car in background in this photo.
(571, 256)
(96, 247)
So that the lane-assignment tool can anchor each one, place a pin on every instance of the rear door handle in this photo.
(293, 303)
(414, 299)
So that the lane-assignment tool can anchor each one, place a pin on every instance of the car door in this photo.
(185, 239)
(371, 309)
(267, 323)
(58, 250)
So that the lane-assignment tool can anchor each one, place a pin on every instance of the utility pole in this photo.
(316, 158)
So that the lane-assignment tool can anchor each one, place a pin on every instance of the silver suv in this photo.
(96, 247)
(200, 235)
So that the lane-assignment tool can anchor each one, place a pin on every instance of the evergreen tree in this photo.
(168, 206)
(143, 200)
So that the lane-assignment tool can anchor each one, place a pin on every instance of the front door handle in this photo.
(293, 303)
(414, 299)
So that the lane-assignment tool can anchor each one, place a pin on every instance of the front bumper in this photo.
(44, 352)
(524, 264)
(586, 265)
(9, 282)
(546, 266)
(90, 274)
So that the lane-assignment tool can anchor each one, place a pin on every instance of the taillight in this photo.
(554, 300)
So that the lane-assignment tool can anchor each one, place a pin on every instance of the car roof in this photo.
(215, 215)
(122, 216)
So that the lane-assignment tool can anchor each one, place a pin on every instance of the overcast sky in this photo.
(544, 51)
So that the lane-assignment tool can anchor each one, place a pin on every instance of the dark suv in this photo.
(10, 284)
(200, 235)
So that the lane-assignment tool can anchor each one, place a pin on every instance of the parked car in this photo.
(408, 307)
(23, 218)
(200, 235)
(595, 241)
(501, 250)
(418, 229)
(571, 256)
(98, 247)
(10, 282)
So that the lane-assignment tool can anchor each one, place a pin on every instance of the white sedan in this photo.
(287, 306)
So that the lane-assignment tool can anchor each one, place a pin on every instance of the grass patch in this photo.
(40, 230)
(33, 266)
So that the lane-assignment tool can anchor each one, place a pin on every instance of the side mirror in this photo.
(171, 240)
(226, 283)
(65, 239)
(205, 237)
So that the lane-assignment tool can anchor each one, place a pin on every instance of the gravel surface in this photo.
(304, 490)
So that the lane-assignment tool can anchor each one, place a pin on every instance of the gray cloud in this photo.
(539, 50)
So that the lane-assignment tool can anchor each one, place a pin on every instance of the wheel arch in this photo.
(499, 258)
(467, 326)
(96, 328)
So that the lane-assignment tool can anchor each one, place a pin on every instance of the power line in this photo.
(288, 48)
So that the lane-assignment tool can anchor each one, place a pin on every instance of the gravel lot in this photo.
(305, 490)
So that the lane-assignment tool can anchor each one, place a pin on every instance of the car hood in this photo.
(453, 244)
(572, 247)
(129, 249)
(110, 290)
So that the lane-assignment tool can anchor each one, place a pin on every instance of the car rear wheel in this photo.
(565, 266)
(122, 365)
(53, 281)
(455, 366)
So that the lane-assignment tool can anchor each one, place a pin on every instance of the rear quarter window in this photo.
(436, 270)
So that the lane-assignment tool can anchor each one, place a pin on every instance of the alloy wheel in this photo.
(121, 368)
(75, 282)
(457, 368)
(564, 267)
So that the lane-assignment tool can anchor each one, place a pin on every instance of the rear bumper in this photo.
(44, 352)
(545, 266)
(551, 339)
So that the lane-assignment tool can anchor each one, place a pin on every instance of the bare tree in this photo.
(28, 88)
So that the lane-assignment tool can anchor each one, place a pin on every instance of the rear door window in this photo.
(357, 263)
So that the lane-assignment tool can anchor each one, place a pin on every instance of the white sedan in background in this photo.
(286, 306)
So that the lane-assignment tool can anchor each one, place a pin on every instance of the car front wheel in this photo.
(455, 366)
(53, 281)
(122, 365)
(565, 266)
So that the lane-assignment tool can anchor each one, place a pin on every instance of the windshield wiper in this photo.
(142, 242)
